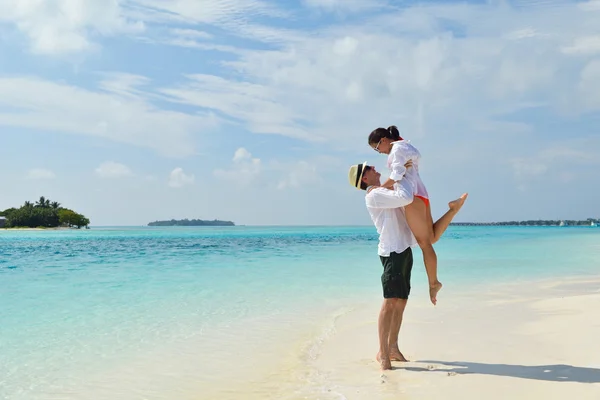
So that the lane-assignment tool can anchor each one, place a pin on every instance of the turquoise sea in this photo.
(171, 313)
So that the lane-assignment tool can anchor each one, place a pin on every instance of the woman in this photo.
(418, 213)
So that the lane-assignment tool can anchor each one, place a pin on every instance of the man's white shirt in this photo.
(386, 208)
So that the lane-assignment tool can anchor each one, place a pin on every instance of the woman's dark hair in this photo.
(391, 133)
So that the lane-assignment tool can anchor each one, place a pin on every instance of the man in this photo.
(395, 242)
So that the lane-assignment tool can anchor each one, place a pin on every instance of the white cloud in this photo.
(247, 170)
(524, 33)
(234, 16)
(404, 67)
(178, 178)
(123, 115)
(62, 26)
(525, 168)
(586, 45)
(344, 5)
(191, 43)
(111, 169)
(244, 170)
(299, 175)
(213, 11)
(557, 160)
(40, 173)
(191, 38)
(252, 104)
(241, 155)
(123, 84)
(346, 46)
(67, 26)
(191, 33)
(589, 86)
(591, 5)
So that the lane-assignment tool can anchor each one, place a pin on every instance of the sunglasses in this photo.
(376, 148)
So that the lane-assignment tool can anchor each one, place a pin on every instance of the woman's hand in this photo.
(408, 164)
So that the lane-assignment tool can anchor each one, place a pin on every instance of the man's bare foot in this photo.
(457, 204)
(433, 291)
(396, 355)
(384, 362)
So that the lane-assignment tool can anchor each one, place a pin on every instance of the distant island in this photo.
(42, 214)
(561, 222)
(191, 222)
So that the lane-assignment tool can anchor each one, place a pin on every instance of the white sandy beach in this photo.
(518, 341)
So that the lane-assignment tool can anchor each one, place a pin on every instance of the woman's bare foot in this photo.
(457, 204)
(433, 291)
(384, 363)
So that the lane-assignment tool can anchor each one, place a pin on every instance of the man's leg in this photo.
(395, 281)
(395, 353)
(386, 316)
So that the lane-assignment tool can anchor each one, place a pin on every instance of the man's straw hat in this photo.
(356, 173)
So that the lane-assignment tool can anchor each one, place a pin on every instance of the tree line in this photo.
(45, 214)
(567, 222)
(193, 222)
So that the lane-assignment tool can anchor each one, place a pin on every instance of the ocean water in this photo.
(192, 313)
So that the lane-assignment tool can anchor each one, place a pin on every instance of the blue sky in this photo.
(135, 110)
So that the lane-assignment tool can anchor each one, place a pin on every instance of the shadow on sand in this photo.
(552, 373)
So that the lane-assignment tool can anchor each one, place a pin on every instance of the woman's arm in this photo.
(389, 183)
(401, 196)
(399, 158)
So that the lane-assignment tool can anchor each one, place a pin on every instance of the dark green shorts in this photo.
(395, 279)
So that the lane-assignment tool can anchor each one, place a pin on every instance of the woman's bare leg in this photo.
(422, 228)
(440, 226)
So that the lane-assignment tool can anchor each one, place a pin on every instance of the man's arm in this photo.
(400, 196)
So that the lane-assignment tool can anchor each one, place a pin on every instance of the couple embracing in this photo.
(401, 212)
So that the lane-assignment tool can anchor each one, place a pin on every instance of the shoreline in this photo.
(39, 229)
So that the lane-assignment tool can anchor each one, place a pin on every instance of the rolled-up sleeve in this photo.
(398, 159)
(401, 196)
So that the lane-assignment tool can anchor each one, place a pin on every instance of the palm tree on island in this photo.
(43, 214)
